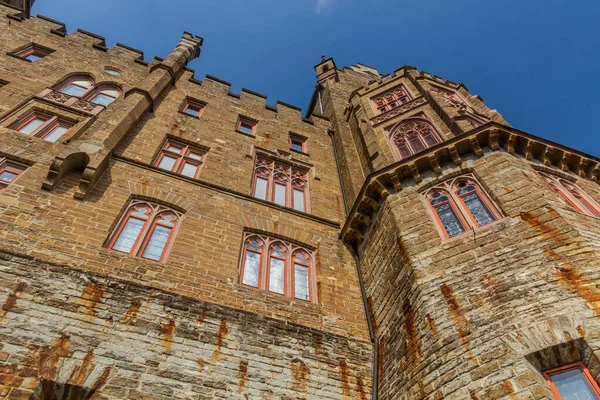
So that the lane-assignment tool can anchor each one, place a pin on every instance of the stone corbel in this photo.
(476, 147)
(381, 189)
(393, 176)
(415, 173)
(371, 203)
(582, 167)
(510, 143)
(529, 150)
(455, 156)
(546, 156)
(435, 164)
(563, 163)
(493, 140)
(362, 219)
(64, 163)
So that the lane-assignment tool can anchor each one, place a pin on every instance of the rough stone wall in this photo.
(477, 308)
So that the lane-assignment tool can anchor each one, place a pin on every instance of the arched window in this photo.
(84, 88)
(146, 230)
(573, 195)
(413, 136)
(460, 205)
(266, 264)
(281, 184)
(390, 100)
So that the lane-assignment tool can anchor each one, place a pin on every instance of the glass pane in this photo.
(33, 57)
(260, 192)
(6, 176)
(195, 156)
(74, 90)
(55, 133)
(246, 128)
(157, 243)
(167, 163)
(296, 146)
(102, 99)
(449, 220)
(129, 235)
(478, 209)
(276, 275)
(32, 125)
(279, 194)
(174, 149)
(192, 111)
(301, 282)
(466, 189)
(416, 144)
(189, 170)
(251, 265)
(572, 385)
(298, 200)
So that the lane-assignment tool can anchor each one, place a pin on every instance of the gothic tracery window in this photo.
(573, 195)
(146, 230)
(84, 88)
(278, 267)
(460, 205)
(281, 184)
(390, 100)
(413, 136)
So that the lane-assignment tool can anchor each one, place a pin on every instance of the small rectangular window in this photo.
(32, 53)
(9, 172)
(193, 107)
(298, 143)
(47, 127)
(180, 158)
(572, 382)
(246, 126)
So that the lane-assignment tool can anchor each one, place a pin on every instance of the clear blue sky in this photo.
(536, 61)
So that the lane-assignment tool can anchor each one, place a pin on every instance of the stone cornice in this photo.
(492, 136)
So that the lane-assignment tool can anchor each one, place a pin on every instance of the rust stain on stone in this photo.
(11, 300)
(464, 328)
(242, 374)
(431, 324)
(473, 395)
(300, 374)
(580, 330)
(50, 357)
(100, 382)
(541, 227)
(360, 388)
(221, 336)
(317, 341)
(92, 293)
(80, 374)
(345, 375)
(130, 316)
(200, 364)
(167, 329)
(508, 387)
(413, 346)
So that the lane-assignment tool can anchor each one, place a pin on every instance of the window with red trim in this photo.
(460, 205)
(281, 184)
(33, 52)
(573, 195)
(298, 143)
(9, 172)
(390, 100)
(413, 136)
(192, 107)
(85, 88)
(246, 126)
(278, 267)
(43, 126)
(572, 382)
(181, 158)
(145, 230)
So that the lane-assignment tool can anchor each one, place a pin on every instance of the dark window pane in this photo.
(296, 145)
(478, 209)
(449, 220)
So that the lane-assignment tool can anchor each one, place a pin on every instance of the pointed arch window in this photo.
(390, 100)
(84, 88)
(573, 195)
(281, 184)
(146, 230)
(460, 205)
(413, 136)
(277, 267)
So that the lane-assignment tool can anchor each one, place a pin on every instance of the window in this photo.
(246, 126)
(281, 184)
(181, 158)
(572, 382)
(43, 126)
(146, 230)
(298, 143)
(390, 100)
(112, 71)
(193, 108)
(412, 136)
(84, 88)
(33, 53)
(9, 172)
(460, 205)
(278, 267)
(573, 195)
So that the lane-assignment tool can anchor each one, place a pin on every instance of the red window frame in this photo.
(403, 136)
(154, 214)
(191, 104)
(266, 244)
(10, 167)
(182, 158)
(32, 49)
(248, 122)
(450, 189)
(578, 365)
(90, 93)
(274, 172)
(46, 128)
(573, 195)
(391, 99)
(294, 139)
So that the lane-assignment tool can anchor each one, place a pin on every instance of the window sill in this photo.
(245, 134)
(473, 232)
(188, 115)
(300, 152)
(278, 296)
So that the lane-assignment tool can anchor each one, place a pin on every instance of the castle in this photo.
(162, 237)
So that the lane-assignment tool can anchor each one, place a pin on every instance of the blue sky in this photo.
(536, 61)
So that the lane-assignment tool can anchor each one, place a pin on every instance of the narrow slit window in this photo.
(246, 126)
(180, 158)
(298, 143)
